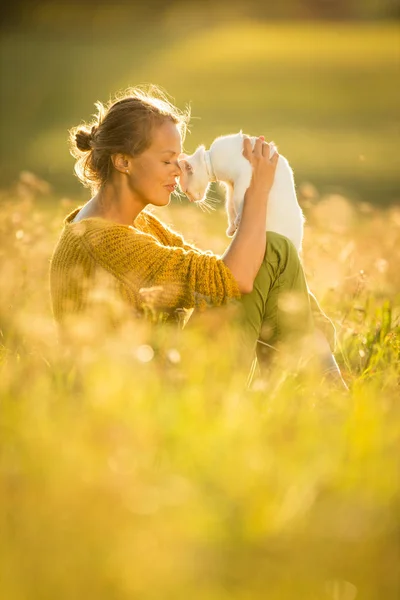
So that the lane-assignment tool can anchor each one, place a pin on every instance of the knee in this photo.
(281, 250)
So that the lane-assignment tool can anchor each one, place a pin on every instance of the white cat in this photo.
(224, 162)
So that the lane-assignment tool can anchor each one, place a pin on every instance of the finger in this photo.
(257, 150)
(265, 149)
(247, 147)
(272, 149)
(275, 158)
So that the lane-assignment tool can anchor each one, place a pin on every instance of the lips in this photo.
(171, 188)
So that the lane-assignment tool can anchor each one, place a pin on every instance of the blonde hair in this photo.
(123, 126)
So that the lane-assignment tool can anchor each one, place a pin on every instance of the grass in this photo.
(325, 92)
(136, 465)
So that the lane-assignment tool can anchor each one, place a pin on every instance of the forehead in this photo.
(166, 137)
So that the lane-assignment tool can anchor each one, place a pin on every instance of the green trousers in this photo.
(281, 306)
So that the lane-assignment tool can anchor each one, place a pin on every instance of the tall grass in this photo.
(137, 465)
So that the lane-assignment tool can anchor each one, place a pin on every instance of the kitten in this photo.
(224, 162)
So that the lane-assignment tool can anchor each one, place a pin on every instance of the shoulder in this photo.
(103, 238)
(146, 221)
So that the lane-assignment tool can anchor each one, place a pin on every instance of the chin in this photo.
(164, 201)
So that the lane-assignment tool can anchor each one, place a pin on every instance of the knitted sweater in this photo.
(94, 254)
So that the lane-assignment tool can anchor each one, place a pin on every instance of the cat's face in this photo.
(194, 180)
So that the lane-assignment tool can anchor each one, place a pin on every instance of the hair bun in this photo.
(84, 140)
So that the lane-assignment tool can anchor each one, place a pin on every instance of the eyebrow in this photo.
(169, 152)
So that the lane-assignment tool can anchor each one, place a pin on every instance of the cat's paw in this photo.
(230, 232)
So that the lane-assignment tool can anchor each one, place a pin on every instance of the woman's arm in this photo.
(246, 251)
(149, 223)
(183, 278)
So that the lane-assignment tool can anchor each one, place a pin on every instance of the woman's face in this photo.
(153, 174)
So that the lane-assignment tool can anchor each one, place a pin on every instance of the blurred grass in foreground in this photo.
(326, 93)
(135, 466)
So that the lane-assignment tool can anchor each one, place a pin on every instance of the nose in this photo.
(177, 170)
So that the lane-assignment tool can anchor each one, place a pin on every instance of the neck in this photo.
(116, 202)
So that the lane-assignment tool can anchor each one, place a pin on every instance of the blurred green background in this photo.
(319, 77)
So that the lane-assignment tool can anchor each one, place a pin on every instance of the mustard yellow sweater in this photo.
(130, 260)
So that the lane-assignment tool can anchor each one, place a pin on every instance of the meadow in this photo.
(137, 465)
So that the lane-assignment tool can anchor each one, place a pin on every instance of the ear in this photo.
(200, 151)
(184, 164)
(200, 156)
(120, 162)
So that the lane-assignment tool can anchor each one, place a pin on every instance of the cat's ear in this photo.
(200, 150)
(184, 164)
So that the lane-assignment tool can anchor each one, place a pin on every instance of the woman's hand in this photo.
(263, 166)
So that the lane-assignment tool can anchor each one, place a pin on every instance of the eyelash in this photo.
(166, 163)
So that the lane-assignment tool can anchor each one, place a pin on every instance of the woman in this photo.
(129, 157)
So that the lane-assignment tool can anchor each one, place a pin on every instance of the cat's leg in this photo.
(238, 217)
(230, 210)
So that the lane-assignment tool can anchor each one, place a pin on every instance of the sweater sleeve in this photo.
(149, 223)
(184, 278)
